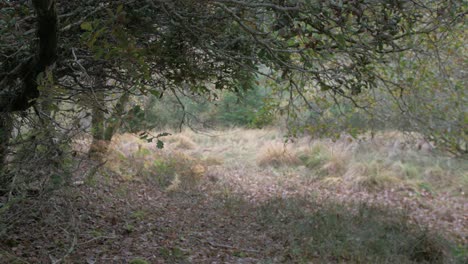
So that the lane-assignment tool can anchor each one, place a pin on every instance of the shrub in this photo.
(373, 175)
(315, 156)
(42, 161)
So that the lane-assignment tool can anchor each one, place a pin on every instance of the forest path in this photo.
(238, 212)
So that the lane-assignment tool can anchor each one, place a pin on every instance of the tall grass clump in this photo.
(315, 156)
(325, 159)
(277, 155)
(181, 141)
(132, 159)
(372, 175)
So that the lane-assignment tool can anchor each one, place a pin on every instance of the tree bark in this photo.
(5, 134)
(12, 99)
(98, 146)
(116, 120)
(104, 129)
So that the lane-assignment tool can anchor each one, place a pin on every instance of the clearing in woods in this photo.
(244, 196)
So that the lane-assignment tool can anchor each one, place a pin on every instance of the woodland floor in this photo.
(237, 212)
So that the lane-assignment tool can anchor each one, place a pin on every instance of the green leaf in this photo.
(160, 144)
(119, 9)
(155, 93)
(86, 26)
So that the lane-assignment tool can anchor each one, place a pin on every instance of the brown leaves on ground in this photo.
(226, 209)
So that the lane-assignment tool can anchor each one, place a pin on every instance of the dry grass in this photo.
(371, 176)
(134, 159)
(276, 155)
(310, 201)
(339, 158)
(387, 160)
(316, 155)
(181, 141)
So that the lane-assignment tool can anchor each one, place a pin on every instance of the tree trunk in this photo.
(116, 119)
(13, 98)
(98, 146)
(5, 133)
(103, 130)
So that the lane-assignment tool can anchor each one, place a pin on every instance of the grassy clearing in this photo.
(354, 217)
(388, 161)
(134, 160)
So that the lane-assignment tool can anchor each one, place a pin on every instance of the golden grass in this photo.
(339, 158)
(213, 161)
(373, 175)
(181, 141)
(134, 159)
(370, 163)
(198, 171)
(276, 155)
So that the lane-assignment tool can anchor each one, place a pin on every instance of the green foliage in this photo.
(418, 93)
(246, 109)
(129, 228)
(164, 172)
(139, 215)
(316, 156)
(264, 116)
(159, 143)
(135, 118)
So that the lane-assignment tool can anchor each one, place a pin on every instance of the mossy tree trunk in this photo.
(97, 127)
(5, 133)
(103, 129)
(116, 120)
(13, 98)
(19, 96)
